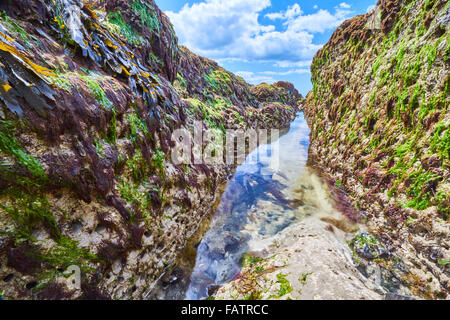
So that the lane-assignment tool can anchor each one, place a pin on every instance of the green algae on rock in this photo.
(379, 118)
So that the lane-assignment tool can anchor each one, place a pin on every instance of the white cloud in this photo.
(275, 15)
(268, 76)
(319, 21)
(291, 12)
(253, 78)
(286, 73)
(217, 23)
(228, 29)
(370, 8)
(290, 64)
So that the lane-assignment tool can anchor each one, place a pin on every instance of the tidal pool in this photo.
(269, 192)
(253, 208)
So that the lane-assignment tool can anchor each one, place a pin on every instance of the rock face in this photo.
(223, 98)
(380, 129)
(279, 92)
(90, 95)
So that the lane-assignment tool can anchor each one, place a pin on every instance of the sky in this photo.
(261, 40)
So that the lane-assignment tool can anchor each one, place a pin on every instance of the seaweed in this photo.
(148, 17)
(117, 24)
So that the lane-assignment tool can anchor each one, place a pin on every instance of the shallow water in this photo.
(254, 207)
(271, 191)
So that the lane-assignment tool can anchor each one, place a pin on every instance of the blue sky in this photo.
(261, 40)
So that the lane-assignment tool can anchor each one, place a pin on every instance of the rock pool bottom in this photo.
(276, 210)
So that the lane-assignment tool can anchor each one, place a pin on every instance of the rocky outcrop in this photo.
(88, 106)
(221, 98)
(203, 78)
(380, 129)
(280, 92)
(291, 272)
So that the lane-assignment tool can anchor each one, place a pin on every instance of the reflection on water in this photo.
(258, 203)
(261, 199)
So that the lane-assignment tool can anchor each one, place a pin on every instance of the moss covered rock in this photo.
(379, 118)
